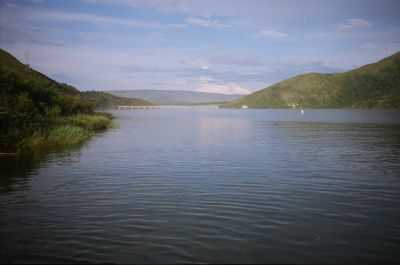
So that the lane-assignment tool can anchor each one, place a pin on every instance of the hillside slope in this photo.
(375, 85)
(37, 111)
(13, 72)
(23, 88)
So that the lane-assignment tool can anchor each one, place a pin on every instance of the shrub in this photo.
(67, 135)
(91, 122)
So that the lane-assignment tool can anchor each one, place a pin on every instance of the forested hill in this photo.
(374, 85)
(32, 104)
(25, 90)
(15, 75)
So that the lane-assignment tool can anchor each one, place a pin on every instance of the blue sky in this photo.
(213, 46)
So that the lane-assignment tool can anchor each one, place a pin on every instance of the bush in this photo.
(67, 135)
(60, 136)
(36, 111)
(94, 122)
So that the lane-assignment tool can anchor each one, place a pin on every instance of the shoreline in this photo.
(66, 132)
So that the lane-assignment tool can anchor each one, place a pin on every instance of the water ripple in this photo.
(209, 187)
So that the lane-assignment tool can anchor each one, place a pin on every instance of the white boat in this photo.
(302, 112)
(245, 107)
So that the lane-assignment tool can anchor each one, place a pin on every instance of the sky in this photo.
(230, 47)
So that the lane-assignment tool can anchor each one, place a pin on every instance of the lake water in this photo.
(211, 186)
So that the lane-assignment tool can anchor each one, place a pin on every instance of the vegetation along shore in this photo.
(38, 113)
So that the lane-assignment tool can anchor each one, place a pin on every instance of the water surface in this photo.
(212, 185)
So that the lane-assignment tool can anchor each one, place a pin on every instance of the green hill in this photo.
(375, 85)
(23, 88)
(36, 110)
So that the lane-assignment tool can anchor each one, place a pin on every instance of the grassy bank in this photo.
(67, 131)
(38, 113)
(92, 122)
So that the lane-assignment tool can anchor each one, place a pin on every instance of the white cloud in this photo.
(354, 23)
(11, 5)
(38, 14)
(225, 88)
(272, 34)
(195, 8)
(238, 60)
(203, 22)
(368, 45)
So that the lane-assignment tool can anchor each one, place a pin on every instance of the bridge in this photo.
(166, 107)
(138, 107)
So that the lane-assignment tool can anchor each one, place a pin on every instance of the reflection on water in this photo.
(172, 186)
(18, 170)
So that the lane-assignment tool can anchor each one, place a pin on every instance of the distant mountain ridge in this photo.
(102, 100)
(375, 85)
(171, 97)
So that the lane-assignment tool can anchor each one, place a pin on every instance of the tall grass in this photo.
(67, 135)
(60, 136)
(67, 131)
(95, 122)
